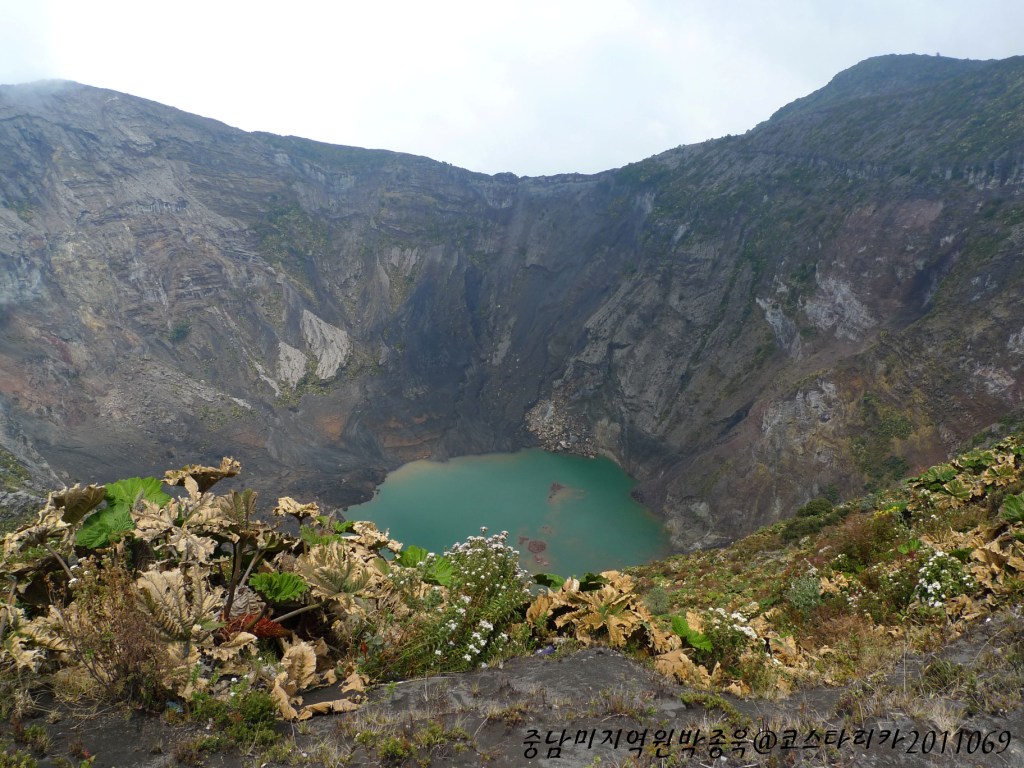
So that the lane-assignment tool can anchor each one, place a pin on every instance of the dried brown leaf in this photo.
(286, 505)
(233, 648)
(327, 708)
(203, 477)
(540, 609)
(680, 666)
(299, 664)
(372, 539)
(283, 699)
(77, 502)
(179, 601)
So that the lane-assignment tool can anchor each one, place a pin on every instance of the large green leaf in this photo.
(977, 460)
(437, 570)
(694, 638)
(327, 530)
(127, 491)
(411, 556)
(105, 526)
(279, 587)
(114, 520)
(1013, 508)
(549, 580)
(958, 489)
(592, 581)
(936, 476)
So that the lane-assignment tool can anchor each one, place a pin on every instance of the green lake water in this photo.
(565, 514)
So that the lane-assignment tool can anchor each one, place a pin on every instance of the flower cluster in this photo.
(732, 622)
(487, 556)
(940, 578)
(485, 593)
(487, 587)
(729, 634)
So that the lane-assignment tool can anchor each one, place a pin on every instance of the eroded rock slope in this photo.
(819, 304)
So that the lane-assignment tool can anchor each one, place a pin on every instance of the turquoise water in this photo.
(565, 514)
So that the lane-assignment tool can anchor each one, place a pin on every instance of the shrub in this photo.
(658, 602)
(461, 626)
(892, 591)
(804, 592)
(114, 641)
(394, 749)
(810, 518)
(887, 528)
(179, 331)
(729, 636)
(854, 541)
(815, 508)
(15, 758)
(247, 717)
(940, 578)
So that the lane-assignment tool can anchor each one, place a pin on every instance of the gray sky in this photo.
(529, 86)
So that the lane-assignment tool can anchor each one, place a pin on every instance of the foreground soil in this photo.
(493, 716)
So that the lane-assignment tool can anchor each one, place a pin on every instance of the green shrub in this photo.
(657, 600)
(394, 749)
(940, 578)
(180, 331)
(815, 508)
(804, 593)
(895, 591)
(15, 758)
(809, 519)
(460, 627)
(887, 528)
(247, 718)
(729, 636)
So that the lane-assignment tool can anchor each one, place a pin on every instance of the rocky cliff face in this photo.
(827, 300)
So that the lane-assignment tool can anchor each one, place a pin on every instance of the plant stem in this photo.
(59, 560)
(7, 603)
(256, 559)
(304, 609)
(236, 563)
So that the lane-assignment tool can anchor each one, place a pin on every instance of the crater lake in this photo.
(565, 514)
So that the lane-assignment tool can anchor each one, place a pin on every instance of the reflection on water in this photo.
(566, 514)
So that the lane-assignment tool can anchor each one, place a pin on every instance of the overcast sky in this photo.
(534, 87)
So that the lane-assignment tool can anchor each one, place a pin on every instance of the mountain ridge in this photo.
(739, 323)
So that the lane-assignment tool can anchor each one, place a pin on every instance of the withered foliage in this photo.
(201, 587)
(165, 610)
